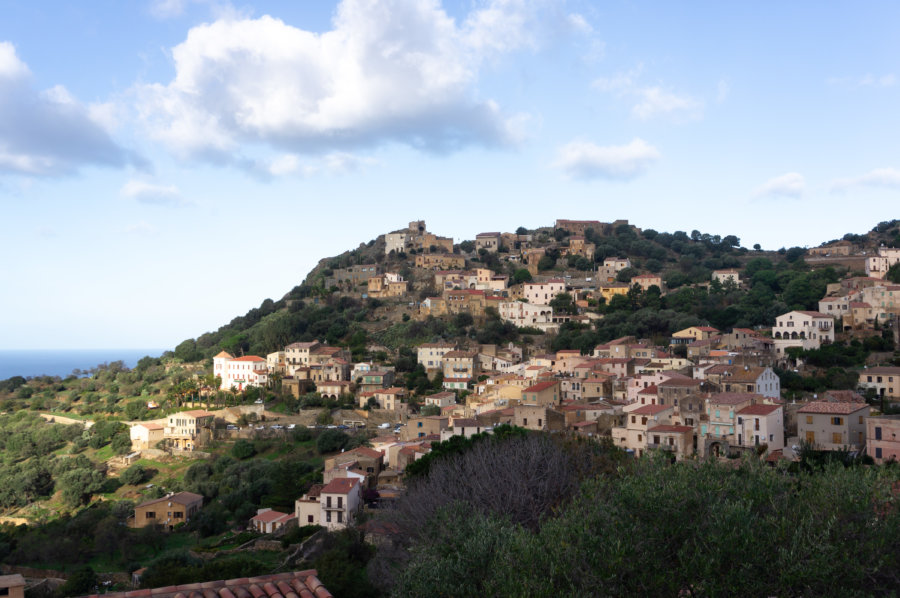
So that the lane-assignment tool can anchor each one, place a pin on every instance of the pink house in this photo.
(883, 438)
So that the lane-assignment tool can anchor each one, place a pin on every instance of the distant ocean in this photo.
(61, 363)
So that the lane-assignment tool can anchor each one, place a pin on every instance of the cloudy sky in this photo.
(167, 165)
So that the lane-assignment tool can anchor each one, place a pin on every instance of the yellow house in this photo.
(610, 290)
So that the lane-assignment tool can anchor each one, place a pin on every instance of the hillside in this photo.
(320, 309)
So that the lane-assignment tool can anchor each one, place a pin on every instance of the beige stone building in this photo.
(183, 429)
(833, 426)
(167, 511)
(146, 436)
(884, 380)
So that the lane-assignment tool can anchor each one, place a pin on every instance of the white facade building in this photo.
(240, 372)
(805, 329)
(542, 293)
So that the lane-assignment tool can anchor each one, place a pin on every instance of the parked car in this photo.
(291, 426)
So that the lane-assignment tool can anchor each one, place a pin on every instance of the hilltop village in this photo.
(632, 344)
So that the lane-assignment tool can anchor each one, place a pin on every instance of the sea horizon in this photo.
(62, 362)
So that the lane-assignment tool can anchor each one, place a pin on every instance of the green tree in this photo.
(521, 275)
(134, 475)
(331, 441)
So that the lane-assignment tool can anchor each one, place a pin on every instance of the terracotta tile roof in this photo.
(459, 355)
(541, 386)
(306, 345)
(340, 486)
(650, 409)
(650, 390)
(832, 408)
(681, 382)
(465, 423)
(250, 358)
(814, 314)
(759, 409)
(181, 498)
(224, 354)
(668, 428)
(888, 370)
(300, 584)
(270, 516)
(315, 490)
(365, 452)
(394, 390)
(151, 426)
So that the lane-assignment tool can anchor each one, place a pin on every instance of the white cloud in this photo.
(722, 91)
(167, 9)
(585, 160)
(656, 101)
(10, 65)
(867, 80)
(48, 133)
(140, 228)
(651, 101)
(390, 71)
(150, 193)
(790, 184)
(879, 177)
(296, 165)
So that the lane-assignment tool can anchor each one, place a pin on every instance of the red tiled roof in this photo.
(269, 516)
(224, 354)
(650, 409)
(680, 382)
(668, 428)
(250, 358)
(759, 409)
(541, 386)
(302, 584)
(152, 426)
(832, 408)
(650, 390)
(889, 370)
(365, 452)
(181, 498)
(340, 486)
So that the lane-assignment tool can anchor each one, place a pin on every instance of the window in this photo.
(877, 432)
(328, 516)
(878, 452)
(640, 438)
(633, 419)
(809, 419)
(309, 519)
(837, 421)
(328, 502)
(340, 516)
(150, 515)
(178, 515)
(656, 440)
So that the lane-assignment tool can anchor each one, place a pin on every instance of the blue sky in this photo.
(167, 165)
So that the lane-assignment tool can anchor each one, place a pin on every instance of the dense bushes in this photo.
(664, 530)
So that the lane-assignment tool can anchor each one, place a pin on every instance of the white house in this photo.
(805, 329)
(240, 372)
(526, 314)
(761, 424)
(542, 293)
(340, 502)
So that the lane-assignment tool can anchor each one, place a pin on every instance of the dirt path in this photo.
(66, 421)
